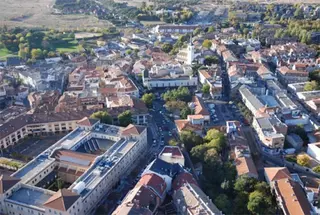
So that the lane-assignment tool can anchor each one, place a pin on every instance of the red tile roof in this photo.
(277, 173)
(173, 150)
(181, 179)
(87, 121)
(293, 198)
(155, 182)
(133, 130)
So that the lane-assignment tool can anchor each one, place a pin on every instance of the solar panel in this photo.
(75, 160)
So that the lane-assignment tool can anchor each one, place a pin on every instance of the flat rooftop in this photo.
(268, 101)
(32, 197)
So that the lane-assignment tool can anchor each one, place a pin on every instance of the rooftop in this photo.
(277, 173)
(250, 97)
(171, 151)
(195, 200)
(31, 196)
(294, 200)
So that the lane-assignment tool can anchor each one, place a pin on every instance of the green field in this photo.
(5, 53)
(71, 46)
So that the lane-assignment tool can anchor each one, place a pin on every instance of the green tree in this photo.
(125, 118)
(303, 160)
(209, 60)
(315, 75)
(316, 169)
(148, 99)
(128, 52)
(197, 153)
(206, 89)
(211, 29)
(103, 116)
(258, 204)
(173, 142)
(207, 44)
(213, 134)
(167, 47)
(245, 184)
(240, 203)
(190, 139)
(222, 202)
(36, 53)
(22, 54)
(197, 31)
(185, 112)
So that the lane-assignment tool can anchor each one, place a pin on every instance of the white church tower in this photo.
(190, 51)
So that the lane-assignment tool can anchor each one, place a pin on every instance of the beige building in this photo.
(271, 131)
(91, 160)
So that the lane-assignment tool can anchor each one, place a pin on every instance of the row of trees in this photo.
(124, 119)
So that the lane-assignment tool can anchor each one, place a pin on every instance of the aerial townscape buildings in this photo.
(160, 107)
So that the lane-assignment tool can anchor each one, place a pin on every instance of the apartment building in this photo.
(290, 112)
(213, 79)
(271, 131)
(37, 124)
(162, 177)
(170, 75)
(92, 158)
(250, 100)
(290, 195)
(288, 76)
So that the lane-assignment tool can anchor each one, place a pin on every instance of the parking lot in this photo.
(33, 146)
(220, 112)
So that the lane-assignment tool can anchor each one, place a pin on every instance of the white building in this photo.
(271, 131)
(169, 76)
(175, 29)
(314, 150)
(92, 176)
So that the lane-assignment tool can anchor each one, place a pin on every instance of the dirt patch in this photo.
(39, 13)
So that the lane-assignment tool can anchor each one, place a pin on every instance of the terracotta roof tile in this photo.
(155, 182)
(181, 179)
(62, 200)
(245, 165)
(87, 121)
(294, 200)
(133, 130)
(277, 173)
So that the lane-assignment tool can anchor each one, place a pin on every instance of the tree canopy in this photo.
(310, 86)
(125, 118)
(207, 44)
(182, 94)
(167, 47)
(148, 99)
(206, 89)
(303, 160)
(185, 112)
(103, 116)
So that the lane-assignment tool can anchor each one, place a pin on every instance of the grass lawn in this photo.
(5, 53)
(71, 46)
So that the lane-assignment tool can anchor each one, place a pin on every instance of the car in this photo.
(154, 145)
(162, 143)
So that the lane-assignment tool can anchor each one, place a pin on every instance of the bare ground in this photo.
(38, 13)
